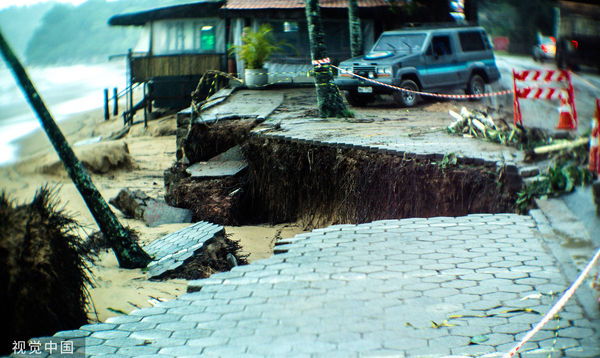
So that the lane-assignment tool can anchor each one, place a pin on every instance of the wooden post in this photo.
(128, 252)
(106, 113)
(116, 102)
(130, 102)
(145, 106)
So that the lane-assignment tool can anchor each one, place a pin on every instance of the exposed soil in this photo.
(319, 185)
(213, 200)
(322, 185)
(205, 141)
(214, 256)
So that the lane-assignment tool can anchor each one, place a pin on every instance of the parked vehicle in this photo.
(420, 59)
(544, 49)
(578, 38)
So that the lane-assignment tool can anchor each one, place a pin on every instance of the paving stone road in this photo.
(369, 290)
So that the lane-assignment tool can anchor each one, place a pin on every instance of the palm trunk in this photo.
(471, 12)
(128, 252)
(356, 39)
(329, 99)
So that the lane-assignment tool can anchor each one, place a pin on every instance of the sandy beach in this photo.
(137, 162)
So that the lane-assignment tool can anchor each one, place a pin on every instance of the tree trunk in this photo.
(471, 12)
(329, 99)
(356, 39)
(128, 252)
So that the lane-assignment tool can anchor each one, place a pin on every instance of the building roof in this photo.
(295, 4)
(206, 8)
(209, 8)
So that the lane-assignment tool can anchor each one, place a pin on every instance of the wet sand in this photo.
(117, 290)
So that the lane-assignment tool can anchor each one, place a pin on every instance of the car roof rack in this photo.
(436, 25)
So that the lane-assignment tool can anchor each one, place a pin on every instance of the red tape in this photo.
(557, 306)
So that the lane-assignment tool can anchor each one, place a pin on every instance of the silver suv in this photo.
(420, 59)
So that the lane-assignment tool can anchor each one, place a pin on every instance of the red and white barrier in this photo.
(563, 93)
(542, 76)
(539, 93)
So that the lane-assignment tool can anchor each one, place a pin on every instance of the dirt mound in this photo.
(42, 273)
(212, 200)
(216, 255)
(156, 128)
(99, 158)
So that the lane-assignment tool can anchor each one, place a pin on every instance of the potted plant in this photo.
(256, 48)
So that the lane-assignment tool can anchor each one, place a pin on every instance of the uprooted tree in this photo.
(329, 99)
(128, 252)
(43, 272)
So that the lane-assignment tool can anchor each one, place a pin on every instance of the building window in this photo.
(290, 26)
(175, 37)
(204, 37)
(207, 38)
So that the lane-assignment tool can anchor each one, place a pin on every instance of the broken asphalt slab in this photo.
(243, 104)
(564, 223)
(228, 163)
(171, 251)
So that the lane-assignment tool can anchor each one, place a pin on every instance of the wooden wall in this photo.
(145, 68)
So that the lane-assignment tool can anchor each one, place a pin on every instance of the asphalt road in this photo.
(544, 114)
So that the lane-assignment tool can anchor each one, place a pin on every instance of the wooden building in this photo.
(179, 43)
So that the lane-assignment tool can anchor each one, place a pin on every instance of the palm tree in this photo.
(128, 252)
(356, 40)
(329, 99)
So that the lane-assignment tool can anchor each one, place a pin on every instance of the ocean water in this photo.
(66, 90)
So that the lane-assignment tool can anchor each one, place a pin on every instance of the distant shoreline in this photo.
(76, 127)
(71, 93)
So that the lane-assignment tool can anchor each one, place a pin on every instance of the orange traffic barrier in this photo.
(594, 162)
(565, 118)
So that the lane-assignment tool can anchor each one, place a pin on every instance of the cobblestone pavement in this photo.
(432, 287)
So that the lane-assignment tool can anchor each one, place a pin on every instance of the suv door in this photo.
(440, 63)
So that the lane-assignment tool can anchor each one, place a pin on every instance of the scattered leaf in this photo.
(479, 339)
(114, 310)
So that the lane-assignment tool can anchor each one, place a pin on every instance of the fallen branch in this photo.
(564, 144)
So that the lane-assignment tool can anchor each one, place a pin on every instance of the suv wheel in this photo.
(356, 99)
(476, 85)
(406, 99)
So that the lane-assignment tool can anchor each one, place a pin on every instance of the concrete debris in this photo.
(564, 223)
(136, 204)
(228, 163)
(528, 172)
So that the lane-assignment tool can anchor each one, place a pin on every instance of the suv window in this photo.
(396, 43)
(471, 41)
(441, 46)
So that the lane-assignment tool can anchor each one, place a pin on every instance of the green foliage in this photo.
(448, 160)
(563, 175)
(71, 34)
(19, 23)
(258, 46)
